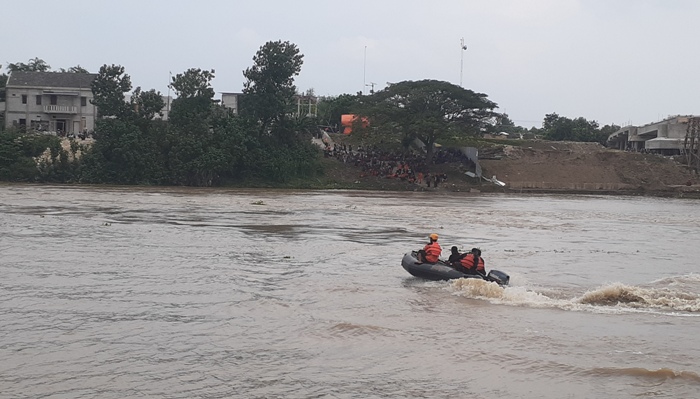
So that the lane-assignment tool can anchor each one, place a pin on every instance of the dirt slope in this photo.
(585, 166)
(545, 166)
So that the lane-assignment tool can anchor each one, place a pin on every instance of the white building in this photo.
(50, 101)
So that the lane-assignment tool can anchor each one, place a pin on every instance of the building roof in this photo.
(50, 79)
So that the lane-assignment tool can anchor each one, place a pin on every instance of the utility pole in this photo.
(364, 72)
(167, 107)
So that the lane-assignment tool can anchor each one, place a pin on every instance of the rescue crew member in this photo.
(455, 257)
(431, 252)
(473, 263)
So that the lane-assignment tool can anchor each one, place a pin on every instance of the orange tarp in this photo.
(347, 120)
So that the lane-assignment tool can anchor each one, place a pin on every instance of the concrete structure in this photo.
(230, 100)
(165, 112)
(305, 105)
(664, 137)
(56, 102)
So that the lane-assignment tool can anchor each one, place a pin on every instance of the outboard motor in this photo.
(498, 277)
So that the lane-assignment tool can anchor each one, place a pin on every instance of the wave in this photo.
(615, 297)
(340, 329)
(661, 374)
(618, 294)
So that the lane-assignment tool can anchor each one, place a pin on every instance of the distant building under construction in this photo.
(666, 137)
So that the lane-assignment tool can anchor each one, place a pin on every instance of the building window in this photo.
(54, 99)
(24, 98)
(38, 100)
(83, 101)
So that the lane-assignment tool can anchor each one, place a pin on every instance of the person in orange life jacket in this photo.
(473, 263)
(431, 252)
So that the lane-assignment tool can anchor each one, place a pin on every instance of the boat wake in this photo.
(669, 296)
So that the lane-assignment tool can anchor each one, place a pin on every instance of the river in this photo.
(121, 292)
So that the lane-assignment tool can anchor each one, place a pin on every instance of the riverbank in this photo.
(525, 167)
(535, 167)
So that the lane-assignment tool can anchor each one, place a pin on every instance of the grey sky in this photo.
(614, 61)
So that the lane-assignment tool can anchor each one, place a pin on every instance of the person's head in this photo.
(433, 237)
(476, 251)
(454, 250)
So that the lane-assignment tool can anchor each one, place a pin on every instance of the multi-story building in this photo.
(50, 102)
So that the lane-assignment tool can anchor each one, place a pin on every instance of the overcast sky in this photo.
(613, 61)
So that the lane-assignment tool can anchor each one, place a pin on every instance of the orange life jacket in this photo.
(432, 252)
(468, 262)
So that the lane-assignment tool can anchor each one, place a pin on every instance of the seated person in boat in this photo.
(455, 258)
(472, 262)
(431, 252)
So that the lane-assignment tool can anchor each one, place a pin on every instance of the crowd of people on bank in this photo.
(405, 166)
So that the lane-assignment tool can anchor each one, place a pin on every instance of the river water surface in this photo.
(203, 293)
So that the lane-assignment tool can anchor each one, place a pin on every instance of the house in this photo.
(54, 102)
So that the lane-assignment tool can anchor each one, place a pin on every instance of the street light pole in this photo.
(461, 65)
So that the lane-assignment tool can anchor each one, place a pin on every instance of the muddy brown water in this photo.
(213, 293)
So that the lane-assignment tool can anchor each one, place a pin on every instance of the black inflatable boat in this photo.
(442, 271)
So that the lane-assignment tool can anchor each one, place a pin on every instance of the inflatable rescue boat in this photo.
(442, 271)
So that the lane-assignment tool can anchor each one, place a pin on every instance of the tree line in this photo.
(201, 144)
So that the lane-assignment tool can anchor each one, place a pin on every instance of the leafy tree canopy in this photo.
(330, 109)
(3, 83)
(193, 83)
(33, 65)
(108, 91)
(505, 124)
(269, 86)
(560, 128)
(429, 110)
(194, 102)
(147, 104)
(75, 69)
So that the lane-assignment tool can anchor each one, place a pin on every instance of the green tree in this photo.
(33, 65)
(194, 102)
(125, 153)
(19, 154)
(195, 156)
(330, 109)
(108, 91)
(269, 87)
(429, 110)
(505, 124)
(605, 132)
(75, 69)
(194, 82)
(3, 83)
(560, 128)
(147, 104)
